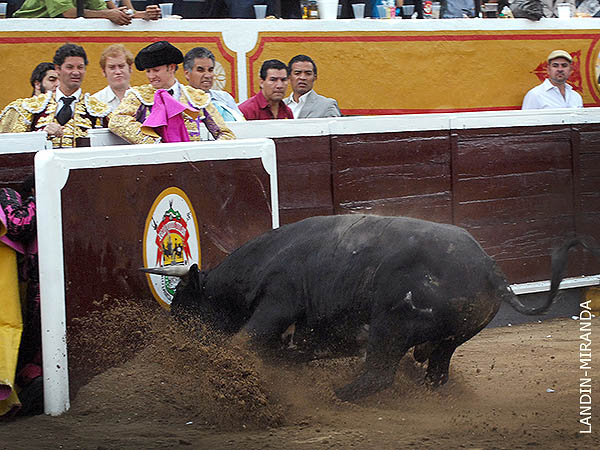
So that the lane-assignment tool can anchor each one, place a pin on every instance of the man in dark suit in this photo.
(304, 101)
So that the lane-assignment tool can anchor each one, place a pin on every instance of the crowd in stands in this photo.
(122, 11)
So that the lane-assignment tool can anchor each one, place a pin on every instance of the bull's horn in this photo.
(171, 271)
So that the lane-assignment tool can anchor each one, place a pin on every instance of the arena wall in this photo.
(518, 181)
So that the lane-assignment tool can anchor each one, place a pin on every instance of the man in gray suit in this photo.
(304, 101)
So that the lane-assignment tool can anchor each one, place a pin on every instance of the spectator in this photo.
(199, 67)
(152, 12)
(159, 60)
(64, 115)
(457, 9)
(244, 9)
(43, 78)
(268, 103)
(115, 62)
(554, 92)
(304, 101)
(93, 9)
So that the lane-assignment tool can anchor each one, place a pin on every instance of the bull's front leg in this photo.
(267, 324)
(385, 348)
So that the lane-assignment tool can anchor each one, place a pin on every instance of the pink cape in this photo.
(166, 117)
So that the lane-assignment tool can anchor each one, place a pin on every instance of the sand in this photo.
(170, 387)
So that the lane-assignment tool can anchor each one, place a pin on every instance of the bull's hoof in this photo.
(436, 380)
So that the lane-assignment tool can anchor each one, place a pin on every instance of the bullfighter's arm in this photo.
(15, 119)
(216, 125)
(123, 122)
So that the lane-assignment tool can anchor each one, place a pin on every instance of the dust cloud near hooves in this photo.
(141, 380)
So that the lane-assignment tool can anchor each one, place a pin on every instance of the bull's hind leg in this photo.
(384, 351)
(439, 362)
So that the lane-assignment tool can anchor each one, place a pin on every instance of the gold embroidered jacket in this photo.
(126, 120)
(34, 113)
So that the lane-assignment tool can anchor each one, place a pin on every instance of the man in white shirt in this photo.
(554, 92)
(304, 101)
(116, 62)
(199, 70)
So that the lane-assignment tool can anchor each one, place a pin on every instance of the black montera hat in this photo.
(158, 54)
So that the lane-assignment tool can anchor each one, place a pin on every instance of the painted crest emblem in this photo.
(170, 238)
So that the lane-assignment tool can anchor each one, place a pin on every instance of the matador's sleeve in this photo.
(14, 118)
(216, 125)
(123, 122)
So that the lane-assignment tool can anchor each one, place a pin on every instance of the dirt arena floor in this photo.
(510, 388)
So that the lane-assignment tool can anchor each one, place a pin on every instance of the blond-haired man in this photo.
(115, 62)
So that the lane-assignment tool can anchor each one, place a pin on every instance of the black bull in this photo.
(395, 282)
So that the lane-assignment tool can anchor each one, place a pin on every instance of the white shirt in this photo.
(546, 95)
(58, 95)
(108, 96)
(296, 107)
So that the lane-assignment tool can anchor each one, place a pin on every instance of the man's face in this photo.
(117, 72)
(161, 77)
(302, 77)
(559, 70)
(274, 85)
(71, 73)
(49, 82)
(202, 75)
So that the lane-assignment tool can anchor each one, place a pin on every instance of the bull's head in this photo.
(189, 290)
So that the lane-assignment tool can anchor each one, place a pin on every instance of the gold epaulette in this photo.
(196, 97)
(144, 93)
(95, 107)
(37, 104)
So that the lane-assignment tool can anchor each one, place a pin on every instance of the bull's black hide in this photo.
(393, 282)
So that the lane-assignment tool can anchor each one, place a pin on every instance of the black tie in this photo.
(170, 91)
(65, 113)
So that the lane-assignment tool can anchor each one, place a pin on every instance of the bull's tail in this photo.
(560, 258)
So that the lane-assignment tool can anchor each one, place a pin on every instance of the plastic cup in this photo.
(3, 10)
(435, 10)
(381, 11)
(564, 10)
(260, 11)
(327, 9)
(359, 10)
(407, 11)
(166, 9)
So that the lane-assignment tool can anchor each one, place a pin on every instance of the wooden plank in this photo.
(523, 249)
(404, 174)
(517, 209)
(557, 182)
(367, 183)
(435, 207)
(304, 177)
(487, 153)
(589, 139)
(14, 168)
